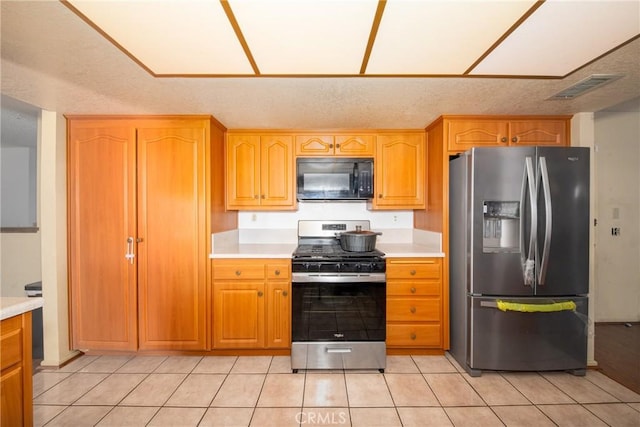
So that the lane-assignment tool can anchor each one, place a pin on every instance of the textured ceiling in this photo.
(54, 60)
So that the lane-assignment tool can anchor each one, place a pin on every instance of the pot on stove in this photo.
(358, 240)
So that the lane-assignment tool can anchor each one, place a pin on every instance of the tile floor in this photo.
(262, 391)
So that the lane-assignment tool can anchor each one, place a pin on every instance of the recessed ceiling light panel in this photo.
(561, 36)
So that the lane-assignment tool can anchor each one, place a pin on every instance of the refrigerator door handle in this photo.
(546, 191)
(527, 261)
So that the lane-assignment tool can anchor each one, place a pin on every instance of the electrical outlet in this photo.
(615, 231)
(254, 217)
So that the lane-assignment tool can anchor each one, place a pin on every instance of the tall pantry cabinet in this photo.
(144, 194)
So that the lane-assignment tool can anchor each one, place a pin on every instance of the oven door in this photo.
(329, 312)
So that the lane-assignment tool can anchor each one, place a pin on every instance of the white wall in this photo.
(19, 262)
(617, 138)
(402, 221)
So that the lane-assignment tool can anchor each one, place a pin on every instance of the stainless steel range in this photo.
(338, 316)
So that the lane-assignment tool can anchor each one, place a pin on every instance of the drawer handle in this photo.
(412, 272)
(285, 293)
(260, 293)
(412, 309)
(238, 272)
(413, 290)
(277, 272)
(514, 139)
(503, 139)
(413, 335)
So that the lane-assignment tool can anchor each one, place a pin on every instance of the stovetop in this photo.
(332, 251)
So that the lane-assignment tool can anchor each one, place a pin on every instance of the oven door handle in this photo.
(339, 350)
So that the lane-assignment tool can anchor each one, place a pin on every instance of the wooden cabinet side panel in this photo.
(101, 212)
(277, 171)
(243, 171)
(172, 251)
(221, 218)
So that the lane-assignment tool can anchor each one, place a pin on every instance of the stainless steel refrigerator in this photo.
(519, 258)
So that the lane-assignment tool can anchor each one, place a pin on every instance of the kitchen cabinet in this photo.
(414, 303)
(335, 145)
(141, 208)
(463, 133)
(252, 303)
(400, 171)
(16, 383)
(447, 137)
(260, 172)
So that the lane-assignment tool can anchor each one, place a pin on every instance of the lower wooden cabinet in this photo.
(16, 384)
(251, 303)
(414, 303)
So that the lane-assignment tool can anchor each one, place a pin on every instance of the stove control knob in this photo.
(306, 266)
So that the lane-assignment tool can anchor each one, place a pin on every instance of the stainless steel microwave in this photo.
(334, 178)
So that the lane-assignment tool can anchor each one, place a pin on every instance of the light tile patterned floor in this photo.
(262, 391)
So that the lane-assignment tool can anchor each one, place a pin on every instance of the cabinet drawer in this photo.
(279, 271)
(11, 342)
(413, 309)
(427, 268)
(235, 270)
(414, 287)
(414, 335)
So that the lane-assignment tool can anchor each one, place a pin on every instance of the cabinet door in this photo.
(277, 171)
(102, 216)
(355, 145)
(278, 314)
(243, 171)
(464, 134)
(172, 249)
(399, 172)
(238, 314)
(314, 145)
(539, 132)
(12, 397)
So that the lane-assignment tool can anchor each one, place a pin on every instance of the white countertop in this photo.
(254, 250)
(409, 250)
(271, 250)
(13, 306)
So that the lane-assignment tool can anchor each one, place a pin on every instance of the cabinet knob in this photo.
(277, 272)
(238, 272)
(337, 145)
(413, 335)
(413, 290)
(262, 197)
(260, 293)
(379, 196)
(514, 139)
(503, 139)
(255, 197)
(412, 310)
(412, 272)
(330, 145)
(285, 293)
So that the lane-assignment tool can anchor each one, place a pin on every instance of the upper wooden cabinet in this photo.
(463, 133)
(140, 214)
(400, 171)
(335, 145)
(260, 172)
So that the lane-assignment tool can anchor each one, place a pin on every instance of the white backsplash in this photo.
(325, 211)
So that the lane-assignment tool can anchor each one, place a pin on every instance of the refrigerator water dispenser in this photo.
(501, 226)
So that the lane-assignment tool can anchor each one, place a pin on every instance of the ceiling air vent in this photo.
(592, 82)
